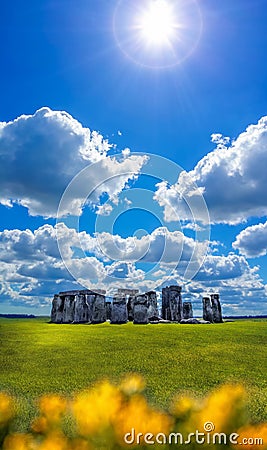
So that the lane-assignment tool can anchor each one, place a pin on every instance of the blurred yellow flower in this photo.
(80, 444)
(55, 442)
(6, 408)
(132, 384)
(224, 408)
(97, 408)
(138, 415)
(40, 425)
(19, 442)
(254, 432)
(53, 407)
(183, 406)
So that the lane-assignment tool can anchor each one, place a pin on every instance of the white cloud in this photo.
(232, 180)
(104, 210)
(252, 241)
(219, 267)
(41, 153)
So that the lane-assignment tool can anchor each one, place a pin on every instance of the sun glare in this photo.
(157, 33)
(156, 24)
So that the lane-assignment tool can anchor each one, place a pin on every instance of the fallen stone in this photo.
(190, 321)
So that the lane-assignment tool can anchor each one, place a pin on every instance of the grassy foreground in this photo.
(37, 357)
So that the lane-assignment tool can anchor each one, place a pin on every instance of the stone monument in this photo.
(119, 313)
(187, 310)
(172, 305)
(140, 311)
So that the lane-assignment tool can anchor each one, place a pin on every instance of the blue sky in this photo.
(64, 56)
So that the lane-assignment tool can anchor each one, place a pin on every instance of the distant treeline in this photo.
(246, 317)
(18, 316)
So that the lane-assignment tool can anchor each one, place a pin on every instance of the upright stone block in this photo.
(57, 309)
(141, 309)
(81, 309)
(119, 312)
(172, 306)
(207, 309)
(108, 309)
(68, 311)
(98, 309)
(216, 308)
(187, 310)
(152, 312)
(130, 308)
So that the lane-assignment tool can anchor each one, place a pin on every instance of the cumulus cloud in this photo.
(252, 241)
(232, 179)
(41, 153)
(220, 267)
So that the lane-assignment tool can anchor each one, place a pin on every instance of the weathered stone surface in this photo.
(81, 309)
(190, 321)
(83, 291)
(216, 308)
(187, 310)
(68, 311)
(172, 307)
(141, 309)
(57, 309)
(152, 311)
(212, 311)
(98, 309)
(90, 300)
(108, 309)
(207, 309)
(119, 310)
(125, 292)
(130, 308)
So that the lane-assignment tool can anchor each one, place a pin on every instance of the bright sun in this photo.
(156, 24)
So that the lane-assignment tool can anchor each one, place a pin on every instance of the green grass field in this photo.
(38, 357)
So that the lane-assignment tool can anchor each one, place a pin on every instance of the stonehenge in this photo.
(87, 306)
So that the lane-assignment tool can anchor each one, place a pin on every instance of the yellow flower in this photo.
(55, 442)
(132, 384)
(81, 444)
(53, 407)
(6, 408)
(19, 442)
(138, 415)
(95, 410)
(183, 406)
(40, 425)
(224, 408)
(254, 432)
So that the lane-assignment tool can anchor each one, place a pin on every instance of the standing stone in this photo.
(98, 309)
(216, 308)
(141, 309)
(57, 309)
(68, 311)
(172, 306)
(207, 309)
(130, 308)
(187, 310)
(152, 311)
(108, 309)
(81, 309)
(90, 300)
(119, 310)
